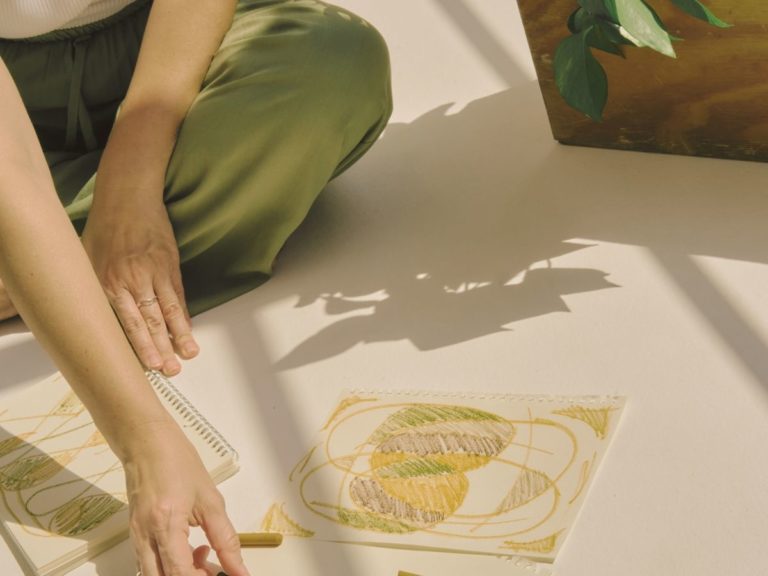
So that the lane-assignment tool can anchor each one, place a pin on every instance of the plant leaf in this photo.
(613, 32)
(579, 76)
(639, 22)
(698, 10)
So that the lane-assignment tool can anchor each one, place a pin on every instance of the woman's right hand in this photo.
(169, 490)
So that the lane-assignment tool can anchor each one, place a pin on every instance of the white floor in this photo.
(468, 250)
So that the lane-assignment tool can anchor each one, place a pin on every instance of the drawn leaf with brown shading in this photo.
(368, 493)
(83, 514)
(443, 493)
(530, 484)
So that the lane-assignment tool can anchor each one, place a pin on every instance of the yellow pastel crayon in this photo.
(260, 539)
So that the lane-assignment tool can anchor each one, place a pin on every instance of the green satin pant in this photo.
(296, 93)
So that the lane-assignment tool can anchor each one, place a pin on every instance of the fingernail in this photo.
(190, 349)
(155, 362)
(171, 368)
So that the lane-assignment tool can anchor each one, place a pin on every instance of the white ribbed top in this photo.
(26, 18)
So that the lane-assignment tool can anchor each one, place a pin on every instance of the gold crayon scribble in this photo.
(596, 418)
(343, 405)
(276, 520)
(542, 545)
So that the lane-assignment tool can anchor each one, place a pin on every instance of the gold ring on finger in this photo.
(146, 302)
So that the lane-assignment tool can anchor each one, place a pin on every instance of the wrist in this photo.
(132, 440)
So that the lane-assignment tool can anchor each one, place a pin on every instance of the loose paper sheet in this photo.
(493, 474)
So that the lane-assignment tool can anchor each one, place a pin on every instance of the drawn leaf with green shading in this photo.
(8, 445)
(698, 10)
(367, 521)
(83, 514)
(420, 415)
(27, 472)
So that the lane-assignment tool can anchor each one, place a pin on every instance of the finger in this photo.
(200, 559)
(223, 538)
(148, 561)
(178, 287)
(135, 329)
(176, 320)
(173, 549)
(153, 316)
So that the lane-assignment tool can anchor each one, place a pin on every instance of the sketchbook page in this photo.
(62, 490)
(495, 474)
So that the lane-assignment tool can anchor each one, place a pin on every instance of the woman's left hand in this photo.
(7, 309)
(134, 253)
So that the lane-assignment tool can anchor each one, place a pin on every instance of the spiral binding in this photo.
(606, 400)
(189, 414)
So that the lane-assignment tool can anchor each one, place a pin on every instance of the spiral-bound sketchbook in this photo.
(62, 490)
(463, 472)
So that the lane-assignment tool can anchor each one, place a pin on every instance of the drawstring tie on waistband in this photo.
(77, 113)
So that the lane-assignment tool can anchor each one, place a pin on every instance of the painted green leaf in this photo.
(613, 32)
(603, 8)
(579, 76)
(640, 24)
(598, 39)
(579, 20)
(698, 10)
(610, 6)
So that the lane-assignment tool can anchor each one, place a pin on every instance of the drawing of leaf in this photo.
(420, 415)
(70, 405)
(448, 463)
(369, 494)
(367, 521)
(413, 467)
(543, 545)
(276, 520)
(596, 418)
(343, 405)
(443, 493)
(8, 445)
(83, 514)
(27, 472)
(95, 439)
(529, 484)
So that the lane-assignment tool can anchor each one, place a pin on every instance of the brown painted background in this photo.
(710, 101)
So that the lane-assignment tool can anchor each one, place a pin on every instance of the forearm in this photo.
(53, 286)
(179, 42)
